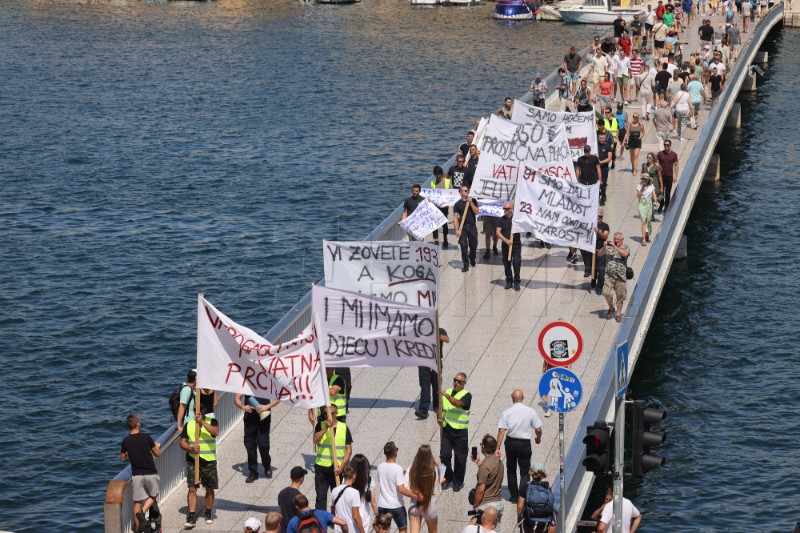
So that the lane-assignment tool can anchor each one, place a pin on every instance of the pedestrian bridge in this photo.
(493, 339)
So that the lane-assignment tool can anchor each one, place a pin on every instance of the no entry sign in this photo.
(560, 343)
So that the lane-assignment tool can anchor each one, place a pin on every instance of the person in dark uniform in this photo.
(257, 421)
(468, 234)
(429, 383)
(504, 234)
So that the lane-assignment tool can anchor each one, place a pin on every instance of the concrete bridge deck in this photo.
(493, 336)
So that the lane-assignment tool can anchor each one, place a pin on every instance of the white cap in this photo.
(253, 523)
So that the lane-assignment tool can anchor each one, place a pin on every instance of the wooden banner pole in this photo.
(439, 373)
(196, 436)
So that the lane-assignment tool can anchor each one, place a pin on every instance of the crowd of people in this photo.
(643, 63)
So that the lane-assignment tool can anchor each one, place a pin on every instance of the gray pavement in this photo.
(493, 336)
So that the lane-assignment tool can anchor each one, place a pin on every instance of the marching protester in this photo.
(517, 425)
(337, 389)
(490, 234)
(464, 148)
(505, 111)
(467, 234)
(429, 383)
(139, 449)
(504, 234)
(206, 448)
(325, 473)
(187, 396)
(440, 182)
(411, 203)
(256, 433)
(601, 231)
(458, 172)
(615, 282)
(456, 403)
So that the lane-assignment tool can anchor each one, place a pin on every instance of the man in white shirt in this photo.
(517, 425)
(631, 517)
(623, 66)
(487, 525)
(392, 488)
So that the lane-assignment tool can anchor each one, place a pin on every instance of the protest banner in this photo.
(557, 211)
(441, 197)
(404, 272)
(233, 358)
(425, 218)
(360, 330)
(580, 127)
(506, 146)
(490, 208)
(560, 167)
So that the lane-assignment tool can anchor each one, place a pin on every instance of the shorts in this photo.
(430, 514)
(648, 27)
(623, 80)
(208, 474)
(573, 76)
(145, 486)
(635, 143)
(658, 44)
(399, 515)
(696, 106)
(615, 287)
(716, 93)
(597, 79)
(490, 225)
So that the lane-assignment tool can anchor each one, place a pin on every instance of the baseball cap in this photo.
(254, 524)
(298, 472)
(587, 148)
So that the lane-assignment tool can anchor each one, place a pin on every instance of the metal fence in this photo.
(641, 307)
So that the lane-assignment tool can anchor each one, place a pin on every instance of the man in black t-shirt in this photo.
(588, 167)
(257, 421)
(662, 80)
(139, 449)
(468, 234)
(504, 234)
(601, 231)
(706, 32)
(605, 152)
(464, 148)
(472, 164)
(619, 27)
(411, 203)
(286, 496)
(458, 173)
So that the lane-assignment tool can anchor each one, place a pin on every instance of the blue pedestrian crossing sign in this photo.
(622, 369)
(560, 389)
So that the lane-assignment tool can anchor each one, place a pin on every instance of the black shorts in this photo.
(658, 44)
(648, 27)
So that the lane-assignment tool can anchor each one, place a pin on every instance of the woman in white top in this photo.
(422, 477)
(646, 194)
(681, 102)
(353, 505)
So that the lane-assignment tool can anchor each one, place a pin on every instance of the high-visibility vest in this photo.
(340, 398)
(324, 448)
(612, 126)
(446, 182)
(208, 444)
(453, 416)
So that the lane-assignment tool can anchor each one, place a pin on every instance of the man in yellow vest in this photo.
(325, 474)
(440, 182)
(456, 403)
(337, 388)
(206, 447)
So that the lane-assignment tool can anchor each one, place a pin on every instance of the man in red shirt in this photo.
(668, 161)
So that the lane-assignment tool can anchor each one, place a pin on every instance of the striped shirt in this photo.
(636, 66)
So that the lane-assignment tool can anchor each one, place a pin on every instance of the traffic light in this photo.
(644, 439)
(597, 441)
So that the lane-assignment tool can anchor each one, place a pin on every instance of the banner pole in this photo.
(510, 248)
(594, 260)
(332, 438)
(196, 435)
(439, 373)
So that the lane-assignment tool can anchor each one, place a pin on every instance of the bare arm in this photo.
(348, 451)
(501, 434)
(456, 403)
(635, 523)
(237, 401)
(156, 450)
(181, 415)
(480, 489)
(357, 520)
(538, 432)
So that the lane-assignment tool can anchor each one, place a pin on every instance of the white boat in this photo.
(596, 13)
(460, 2)
(425, 2)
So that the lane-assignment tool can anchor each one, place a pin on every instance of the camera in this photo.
(478, 515)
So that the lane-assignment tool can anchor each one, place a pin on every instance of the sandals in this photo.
(610, 313)
(619, 318)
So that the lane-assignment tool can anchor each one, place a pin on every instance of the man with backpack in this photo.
(535, 510)
(183, 408)
(312, 520)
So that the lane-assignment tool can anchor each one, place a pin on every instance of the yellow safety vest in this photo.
(324, 449)
(612, 126)
(453, 416)
(446, 183)
(208, 444)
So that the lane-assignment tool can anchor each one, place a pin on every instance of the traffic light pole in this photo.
(562, 511)
(619, 463)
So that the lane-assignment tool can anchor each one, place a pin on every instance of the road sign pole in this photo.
(562, 511)
(619, 452)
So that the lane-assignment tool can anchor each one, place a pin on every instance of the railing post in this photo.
(112, 510)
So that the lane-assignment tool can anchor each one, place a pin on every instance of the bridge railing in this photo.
(642, 304)
(118, 508)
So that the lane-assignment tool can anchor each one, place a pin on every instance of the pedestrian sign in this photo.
(622, 369)
(561, 390)
(560, 343)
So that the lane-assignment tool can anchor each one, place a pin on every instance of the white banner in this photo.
(580, 127)
(359, 330)
(425, 218)
(506, 146)
(441, 197)
(404, 272)
(557, 211)
(233, 358)
(489, 208)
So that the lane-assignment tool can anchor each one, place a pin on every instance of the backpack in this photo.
(175, 400)
(308, 522)
(538, 501)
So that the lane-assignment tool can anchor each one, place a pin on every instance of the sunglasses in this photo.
(455, 380)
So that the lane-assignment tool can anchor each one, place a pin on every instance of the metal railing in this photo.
(641, 307)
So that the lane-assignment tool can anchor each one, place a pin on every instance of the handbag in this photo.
(628, 273)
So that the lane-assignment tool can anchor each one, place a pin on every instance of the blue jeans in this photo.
(399, 515)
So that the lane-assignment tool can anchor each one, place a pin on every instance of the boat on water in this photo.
(516, 10)
(460, 2)
(596, 12)
(425, 2)
(337, 1)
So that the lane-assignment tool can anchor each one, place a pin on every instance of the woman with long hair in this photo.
(422, 478)
(633, 140)
(363, 484)
(651, 168)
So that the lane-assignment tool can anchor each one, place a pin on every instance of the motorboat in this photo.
(596, 12)
(516, 10)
